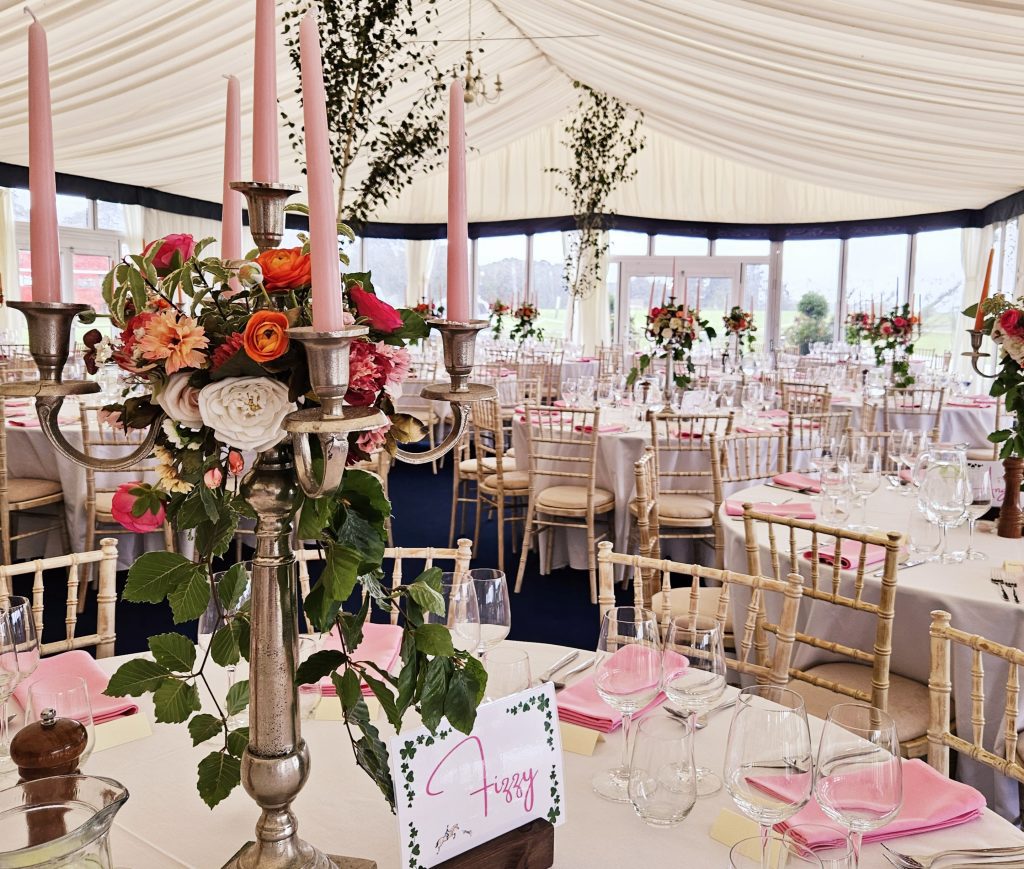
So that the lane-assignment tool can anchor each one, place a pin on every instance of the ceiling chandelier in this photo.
(474, 82)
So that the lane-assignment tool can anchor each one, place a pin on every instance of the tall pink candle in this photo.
(42, 182)
(231, 209)
(459, 307)
(265, 153)
(323, 215)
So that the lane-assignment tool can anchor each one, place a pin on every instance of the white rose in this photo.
(675, 323)
(180, 401)
(246, 412)
(666, 333)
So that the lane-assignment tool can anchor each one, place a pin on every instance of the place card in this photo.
(579, 740)
(329, 708)
(118, 731)
(455, 791)
(730, 828)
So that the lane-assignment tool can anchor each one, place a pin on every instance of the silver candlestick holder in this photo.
(975, 353)
(266, 204)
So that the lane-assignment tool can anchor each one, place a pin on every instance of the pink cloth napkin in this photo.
(797, 482)
(849, 554)
(775, 412)
(752, 429)
(930, 802)
(601, 429)
(581, 704)
(971, 401)
(587, 359)
(382, 644)
(506, 372)
(24, 421)
(80, 663)
(800, 510)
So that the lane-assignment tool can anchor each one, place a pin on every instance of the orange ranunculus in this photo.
(266, 336)
(284, 269)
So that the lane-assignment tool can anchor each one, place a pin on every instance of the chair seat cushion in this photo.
(22, 489)
(679, 506)
(574, 498)
(679, 605)
(908, 700)
(512, 481)
(467, 467)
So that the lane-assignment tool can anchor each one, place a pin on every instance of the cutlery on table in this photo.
(790, 489)
(564, 661)
(906, 565)
(579, 668)
(702, 720)
(1007, 581)
(999, 583)
(924, 861)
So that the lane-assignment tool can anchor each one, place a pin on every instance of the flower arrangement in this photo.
(527, 315)
(427, 309)
(1004, 321)
(741, 324)
(672, 329)
(895, 332)
(859, 325)
(205, 344)
(498, 310)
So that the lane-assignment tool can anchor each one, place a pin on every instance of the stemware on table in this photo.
(8, 680)
(628, 677)
(662, 781)
(508, 672)
(830, 846)
(865, 478)
(68, 696)
(893, 441)
(25, 658)
(924, 537)
(461, 611)
(493, 606)
(945, 497)
(913, 444)
(979, 482)
(775, 852)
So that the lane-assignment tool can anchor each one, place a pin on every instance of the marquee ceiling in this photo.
(756, 110)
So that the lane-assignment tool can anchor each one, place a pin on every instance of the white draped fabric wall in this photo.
(975, 245)
(419, 260)
(8, 250)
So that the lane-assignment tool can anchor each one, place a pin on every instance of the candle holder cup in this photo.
(975, 353)
(266, 204)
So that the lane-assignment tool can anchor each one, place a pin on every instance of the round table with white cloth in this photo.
(963, 589)
(164, 824)
(583, 367)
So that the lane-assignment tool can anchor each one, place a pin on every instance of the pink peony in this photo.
(176, 248)
(1011, 321)
(213, 478)
(121, 509)
(401, 363)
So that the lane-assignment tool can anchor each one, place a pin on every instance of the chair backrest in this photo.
(678, 440)
(803, 397)
(940, 738)
(754, 657)
(106, 598)
(101, 438)
(563, 446)
(913, 401)
(548, 374)
(489, 440)
(459, 557)
(800, 537)
(413, 403)
(744, 458)
(810, 431)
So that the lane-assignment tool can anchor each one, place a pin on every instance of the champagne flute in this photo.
(768, 770)
(627, 678)
(493, 606)
(979, 480)
(461, 611)
(695, 688)
(18, 611)
(858, 782)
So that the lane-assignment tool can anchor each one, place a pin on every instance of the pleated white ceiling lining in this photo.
(757, 110)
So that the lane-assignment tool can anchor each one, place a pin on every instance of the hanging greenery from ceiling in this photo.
(603, 136)
(372, 48)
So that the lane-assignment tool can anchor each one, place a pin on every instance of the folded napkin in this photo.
(587, 359)
(800, 510)
(382, 644)
(581, 704)
(849, 554)
(601, 429)
(506, 372)
(971, 401)
(79, 663)
(776, 412)
(930, 802)
(797, 482)
(24, 421)
(559, 403)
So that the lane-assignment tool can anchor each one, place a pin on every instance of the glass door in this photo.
(644, 283)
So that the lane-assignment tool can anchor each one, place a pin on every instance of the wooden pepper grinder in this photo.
(50, 746)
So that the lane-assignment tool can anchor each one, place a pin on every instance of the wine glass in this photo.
(661, 774)
(697, 687)
(68, 696)
(769, 391)
(18, 612)
(493, 606)
(945, 496)
(750, 399)
(218, 616)
(627, 678)
(9, 677)
(727, 393)
(508, 672)
(585, 391)
(775, 852)
(858, 782)
(768, 770)
(911, 446)
(979, 481)
(826, 454)
(865, 478)
(570, 391)
(461, 611)
(893, 441)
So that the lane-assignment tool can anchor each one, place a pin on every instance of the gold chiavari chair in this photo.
(754, 656)
(106, 559)
(804, 398)
(991, 452)
(924, 403)
(865, 676)
(562, 443)
(810, 431)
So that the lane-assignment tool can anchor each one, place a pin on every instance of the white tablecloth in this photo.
(964, 590)
(165, 824)
(970, 425)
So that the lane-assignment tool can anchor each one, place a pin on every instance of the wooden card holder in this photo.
(531, 846)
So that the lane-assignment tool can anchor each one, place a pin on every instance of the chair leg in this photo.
(455, 508)
(476, 519)
(592, 558)
(527, 538)
(501, 531)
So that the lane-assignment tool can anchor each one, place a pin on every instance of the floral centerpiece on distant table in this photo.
(498, 311)
(895, 332)
(859, 325)
(526, 315)
(741, 324)
(427, 309)
(672, 330)
(205, 343)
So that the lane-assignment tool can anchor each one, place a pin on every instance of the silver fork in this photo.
(579, 668)
(1007, 580)
(998, 582)
(924, 861)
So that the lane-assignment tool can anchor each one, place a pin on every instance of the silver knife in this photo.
(579, 668)
(561, 662)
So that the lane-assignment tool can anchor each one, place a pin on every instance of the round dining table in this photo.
(165, 824)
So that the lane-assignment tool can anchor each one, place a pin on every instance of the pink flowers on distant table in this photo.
(122, 508)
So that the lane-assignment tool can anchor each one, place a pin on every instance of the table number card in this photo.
(455, 792)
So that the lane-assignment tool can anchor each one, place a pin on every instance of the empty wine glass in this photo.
(627, 678)
(700, 683)
(493, 606)
(68, 696)
(585, 392)
(865, 478)
(727, 393)
(461, 611)
(979, 481)
(570, 391)
(768, 770)
(661, 774)
(893, 441)
(750, 399)
(911, 446)
(9, 676)
(944, 495)
(858, 781)
(18, 612)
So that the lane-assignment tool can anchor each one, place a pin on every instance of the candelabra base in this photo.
(320, 861)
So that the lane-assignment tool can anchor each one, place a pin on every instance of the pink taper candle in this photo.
(42, 182)
(265, 153)
(459, 307)
(323, 216)
(231, 209)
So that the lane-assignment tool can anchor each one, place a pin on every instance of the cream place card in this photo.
(455, 792)
(579, 740)
(118, 731)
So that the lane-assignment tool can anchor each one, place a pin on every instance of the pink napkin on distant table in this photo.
(797, 482)
(849, 554)
(558, 403)
(930, 802)
(581, 704)
(601, 429)
(24, 421)
(506, 372)
(751, 429)
(788, 511)
(586, 359)
(382, 644)
(776, 412)
(971, 401)
(80, 663)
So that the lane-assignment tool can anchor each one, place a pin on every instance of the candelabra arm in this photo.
(975, 353)
(460, 419)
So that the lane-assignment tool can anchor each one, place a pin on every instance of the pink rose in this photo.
(213, 478)
(381, 315)
(176, 248)
(121, 509)
(1010, 322)
(236, 464)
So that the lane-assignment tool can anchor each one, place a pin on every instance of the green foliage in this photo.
(219, 773)
(813, 305)
(812, 322)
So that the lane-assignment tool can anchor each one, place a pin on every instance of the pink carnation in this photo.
(401, 362)
(371, 441)
(368, 373)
